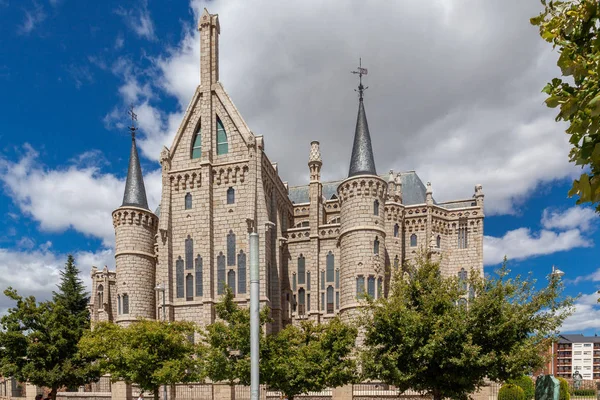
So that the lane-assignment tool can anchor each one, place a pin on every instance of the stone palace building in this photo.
(322, 245)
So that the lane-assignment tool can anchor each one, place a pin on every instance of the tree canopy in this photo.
(38, 341)
(573, 26)
(148, 353)
(443, 336)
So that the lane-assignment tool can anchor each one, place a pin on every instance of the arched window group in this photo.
(222, 144)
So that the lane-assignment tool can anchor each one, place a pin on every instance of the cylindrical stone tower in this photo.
(362, 235)
(135, 229)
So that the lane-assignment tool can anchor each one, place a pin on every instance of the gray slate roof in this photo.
(578, 338)
(362, 161)
(413, 190)
(135, 192)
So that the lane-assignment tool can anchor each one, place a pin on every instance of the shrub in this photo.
(564, 389)
(525, 383)
(511, 391)
(585, 392)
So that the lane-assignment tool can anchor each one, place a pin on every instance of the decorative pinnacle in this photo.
(361, 71)
(133, 116)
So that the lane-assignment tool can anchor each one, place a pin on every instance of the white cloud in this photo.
(79, 197)
(586, 315)
(594, 277)
(575, 217)
(119, 42)
(138, 20)
(33, 18)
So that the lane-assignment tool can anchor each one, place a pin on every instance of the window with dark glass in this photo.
(379, 287)
(322, 280)
(197, 144)
(189, 253)
(231, 248)
(199, 288)
(462, 279)
(294, 282)
(413, 240)
(396, 230)
(462, 235)
(301, 302)
(376, 245)
(119, 304)
(330, 266)
(471, 292)
(301, 270)
(376, 207)
(323, 300)
(220, 273)
(188, 201)
(371, 286)
(438, 241)
(360, 286)
(222, 145)
(396, 262)
(329, 299)
(337, 278)
(189, 287)
(125, 304)
(308, 302)
(100, 296)
(179, 277)
(337, 300)
(230, 195)
(308, 280)
(241, 272)
(231, 280)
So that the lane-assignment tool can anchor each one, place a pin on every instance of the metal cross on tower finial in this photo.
(133, 116)
(361, 71)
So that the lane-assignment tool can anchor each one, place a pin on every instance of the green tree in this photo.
(424, 336)
(309, 357)
(148, 353)
(525, 383)
(573, 27)
(225, 352)
(38, 341)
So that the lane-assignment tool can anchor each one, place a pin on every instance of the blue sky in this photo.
(454, 94)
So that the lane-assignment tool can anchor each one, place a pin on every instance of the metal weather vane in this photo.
(133, 116)
(360, 71)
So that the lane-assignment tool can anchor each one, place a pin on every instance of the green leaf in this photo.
(552, 101)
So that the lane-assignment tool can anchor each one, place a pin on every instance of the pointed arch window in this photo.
(413, 240)
(222, 144)
(100, 296)
(119, 304)
(189, 287)
(376, 245)
(301, 302)
(330, 300)
(396, 230)
(231, 280)
(125, 304)
(241, 259)
(179, 277)
(301, 270)
(188, 201)
(462, 279)
(189, 253)
(197, 144)
(438, 241)
(230, 195)
(376, 207)
(330, 266)
(220, 272)
(231, 248)
(199, 288)
(371, 286)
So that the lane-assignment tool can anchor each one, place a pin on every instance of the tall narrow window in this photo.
(379, 287)
(100, 296)
(197, 144)
(330, 266)
(371, 286)
(308, 280)
(222, 145)
(241, 272)
(337, 300)
(294, 282)
(376, 245)
(220, 273)
(295, 304)
(301, 302)
(396, 262)
(301, 270)
(231, 280)
(179, 277)
(199, 276)
(230, 195)
(323, 300)
(119, 304)
(231, 248)
(337, 278)
(462, 279)
(471, 292)
(413, 240)
(396, 230)
(329, 299)
(189, 253)
(308, 302)
(438, 241)
(189, 287)
(360, 286)
(322, 280)
(462, 235)
(188, 201)
(376, 207)
(125, 304)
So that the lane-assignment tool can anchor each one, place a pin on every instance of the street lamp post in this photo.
(162, 289)
(558, 273)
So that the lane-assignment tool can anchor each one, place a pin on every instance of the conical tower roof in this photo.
(362, 161)
(135, 192)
